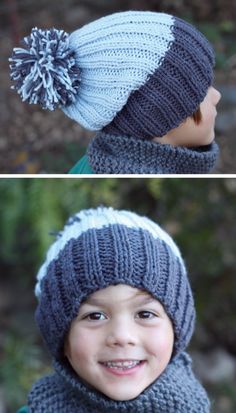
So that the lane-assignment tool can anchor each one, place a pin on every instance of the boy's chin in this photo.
(204, 142)
(210, 140)
(122, 395)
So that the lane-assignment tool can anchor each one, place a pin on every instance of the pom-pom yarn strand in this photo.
(44, 70)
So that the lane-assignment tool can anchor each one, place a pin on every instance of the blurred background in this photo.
(200, 214)
(36, 141)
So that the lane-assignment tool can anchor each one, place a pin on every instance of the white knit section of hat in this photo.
(100, 218)
(116, 54)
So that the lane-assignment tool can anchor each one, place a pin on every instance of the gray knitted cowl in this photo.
(112, 154)
(175, 391)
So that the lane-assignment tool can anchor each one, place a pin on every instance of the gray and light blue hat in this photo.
(102, 247)
(142, 73)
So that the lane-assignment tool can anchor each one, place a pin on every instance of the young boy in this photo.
(143, 80)
(116, 312)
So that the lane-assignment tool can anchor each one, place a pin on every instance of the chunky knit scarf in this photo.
(175, 391)
(110, 154)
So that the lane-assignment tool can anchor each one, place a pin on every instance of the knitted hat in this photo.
(102, 247)
(143, 73)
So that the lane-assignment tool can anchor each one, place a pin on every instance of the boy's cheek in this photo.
(161, 345)
(80, 345)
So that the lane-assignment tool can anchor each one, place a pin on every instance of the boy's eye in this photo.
(146, 315)
(96, 316)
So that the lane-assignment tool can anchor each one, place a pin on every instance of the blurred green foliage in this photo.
(198, 213)
(61, 157)
(222, 36)
(21, 366)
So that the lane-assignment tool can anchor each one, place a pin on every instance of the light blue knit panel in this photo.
(116, 54)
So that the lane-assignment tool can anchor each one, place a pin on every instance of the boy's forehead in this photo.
(121, 292)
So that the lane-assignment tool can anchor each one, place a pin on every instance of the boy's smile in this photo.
(120, 342)
(122, 367)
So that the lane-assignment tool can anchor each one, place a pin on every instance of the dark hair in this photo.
(197, 116)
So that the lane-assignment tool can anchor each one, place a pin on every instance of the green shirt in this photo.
(23, 409)
(81, 167)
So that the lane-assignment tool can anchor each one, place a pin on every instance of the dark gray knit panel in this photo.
(173, 92)
(109, 256)
(111, 154)
(176, 391)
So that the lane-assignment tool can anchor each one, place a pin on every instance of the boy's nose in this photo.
(121, 335)
(216, 96)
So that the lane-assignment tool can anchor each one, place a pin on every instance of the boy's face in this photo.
(120, 342)
(190, 134)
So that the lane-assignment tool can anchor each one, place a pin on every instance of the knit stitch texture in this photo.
(175, 391)
(165, 59)
(111, 154)
(98, 248)
(102, 247)
(144, 72)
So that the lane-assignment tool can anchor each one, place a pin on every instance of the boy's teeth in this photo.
(122, 364)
